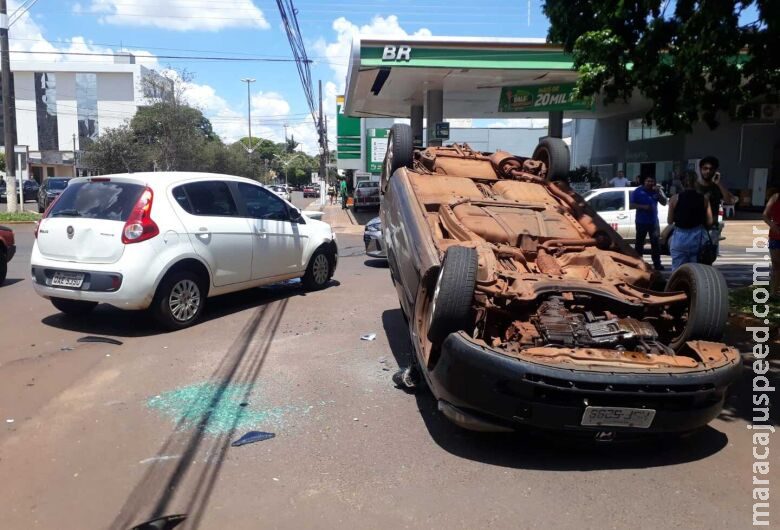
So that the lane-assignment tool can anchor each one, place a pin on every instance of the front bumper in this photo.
(373, 243)
(510, 393)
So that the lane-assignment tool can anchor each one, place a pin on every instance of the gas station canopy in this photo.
(475, 77)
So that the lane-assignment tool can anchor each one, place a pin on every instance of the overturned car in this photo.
(526, 309)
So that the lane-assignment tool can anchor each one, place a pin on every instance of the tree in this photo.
(116, 151)
(692, 63)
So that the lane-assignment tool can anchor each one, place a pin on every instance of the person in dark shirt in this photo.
(691, 214)
(645, 201)
(711, 185)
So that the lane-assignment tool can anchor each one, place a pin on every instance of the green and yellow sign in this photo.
(543, 98)
(347, 132)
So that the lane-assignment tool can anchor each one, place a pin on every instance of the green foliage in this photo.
(19, 217)
(2, 161)
(583, 174)
(117, 151)
(741, 302)
(692, 63)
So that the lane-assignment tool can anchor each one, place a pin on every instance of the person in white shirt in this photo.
(620, 181)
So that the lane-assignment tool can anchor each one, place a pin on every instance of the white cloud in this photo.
(337, 52)
(204, 15)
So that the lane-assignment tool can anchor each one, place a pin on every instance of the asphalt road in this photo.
(107, 436)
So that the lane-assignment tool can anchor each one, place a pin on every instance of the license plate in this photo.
(67, 279)
(618, 417)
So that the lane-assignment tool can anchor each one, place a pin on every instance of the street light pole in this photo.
(250, 147)
(9, 120)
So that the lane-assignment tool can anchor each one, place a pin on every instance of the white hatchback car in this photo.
(613, 205)
(167, 241)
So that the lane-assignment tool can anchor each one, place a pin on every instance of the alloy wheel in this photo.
(320, 269)
(184, 300)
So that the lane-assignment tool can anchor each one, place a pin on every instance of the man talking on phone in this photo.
(645, 201)
(711, 185)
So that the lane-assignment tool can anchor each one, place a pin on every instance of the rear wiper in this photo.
(70, 213)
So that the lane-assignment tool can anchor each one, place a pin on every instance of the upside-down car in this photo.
(526, 309)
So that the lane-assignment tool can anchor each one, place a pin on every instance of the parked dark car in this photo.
(7, 250)
(30, 191)
(526, 309)
(366, 195)
(51, 189)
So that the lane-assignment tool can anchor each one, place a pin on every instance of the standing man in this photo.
(343, 193)
(620, 181)
(645, 201)
(712, 187)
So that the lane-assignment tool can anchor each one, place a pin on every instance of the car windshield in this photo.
(57, 184)
(367, 184)
(111, 201)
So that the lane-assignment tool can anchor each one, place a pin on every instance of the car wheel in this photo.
(708, 303)
(452, 303)
(179, 300)
(400, 150)
(319, 272)
(40, 208)
(73, 307)
(555, 155)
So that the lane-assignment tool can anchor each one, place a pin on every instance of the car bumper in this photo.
(491, 389)
(367, 203)
(373, 243)
(135, 290)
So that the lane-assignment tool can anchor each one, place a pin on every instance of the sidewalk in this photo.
(342, 221)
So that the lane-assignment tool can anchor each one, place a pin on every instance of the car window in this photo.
(211, 197)
(56, 184)
(262, 204)
(111, 201)
(610, 201)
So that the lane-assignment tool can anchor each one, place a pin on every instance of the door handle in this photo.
(622, 216)
(203, 231)
(261, 233)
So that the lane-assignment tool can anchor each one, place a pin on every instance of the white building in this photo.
(61, 107)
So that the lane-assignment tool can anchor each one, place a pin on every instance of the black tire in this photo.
(179, 300)
(319, 271)
(3, 266)
(708, 307)
(41, 210)
(453, 298)
(555, 155)
(73, 307)
(400, 150)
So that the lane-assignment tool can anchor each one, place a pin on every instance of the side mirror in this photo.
(296, 216)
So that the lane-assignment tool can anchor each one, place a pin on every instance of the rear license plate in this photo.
(67, 279)
(618, 417)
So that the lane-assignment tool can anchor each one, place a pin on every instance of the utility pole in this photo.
(249, 148)
(74, 155)
(9, 120)
(323, 143)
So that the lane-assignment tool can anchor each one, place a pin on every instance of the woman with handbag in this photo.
(691, 214)
(772, 218)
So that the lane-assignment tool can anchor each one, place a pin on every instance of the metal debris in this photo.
(252, 437)
(368, 336)
(95, 338)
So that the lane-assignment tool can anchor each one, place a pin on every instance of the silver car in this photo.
(372, 237)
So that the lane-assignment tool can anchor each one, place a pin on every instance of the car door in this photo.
(218, 233)
(278, 243)
(611, 206)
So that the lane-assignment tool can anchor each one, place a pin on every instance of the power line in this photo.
(184, 57)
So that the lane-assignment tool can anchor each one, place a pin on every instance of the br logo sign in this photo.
(397, 53)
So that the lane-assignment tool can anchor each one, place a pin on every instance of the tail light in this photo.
(139, 226)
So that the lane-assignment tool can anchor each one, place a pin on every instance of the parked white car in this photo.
(281, 191)
(167, 241)
(612, 204)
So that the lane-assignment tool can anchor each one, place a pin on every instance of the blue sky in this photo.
(253, 28)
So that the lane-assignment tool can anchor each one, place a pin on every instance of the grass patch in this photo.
(19, 217)
(741, 301)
